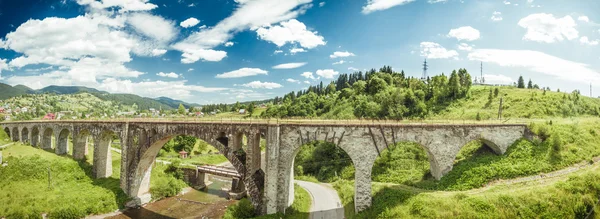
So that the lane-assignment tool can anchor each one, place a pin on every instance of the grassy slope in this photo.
(565, 197)
(517, 103)
(299, 210)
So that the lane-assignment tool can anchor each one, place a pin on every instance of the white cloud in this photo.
(129, 5)
(295, 50)
(247, 15)
(465, 47)
(156, 88)
(190, 22)
(467, 33)
(292, 31)
(506, 2)
(436, 1)
(379, 5)
(433, 50)
(538, 62)
(496, 16)
(339, 54)
(327, 73)
(290, 65)
(158, 52)
(192, 53)
(190, 69)
(321, 4)
(277, 51)
(3, 66)
(308, 75)
(242, 72)
(293, 80)
(307, 82)
(585, 41)
(339, 62)
(353, 69)
(584, 18)
(153, 26)
(548, 29)
(202, 27)
(168, 75)
(228, 44)
(191, 5)
(262, 85)
(497, 79)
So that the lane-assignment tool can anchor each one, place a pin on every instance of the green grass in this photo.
(299, 210)
(519, 103)
(571, 197)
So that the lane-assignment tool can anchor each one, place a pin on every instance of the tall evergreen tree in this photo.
(530, 84)
(521, 82)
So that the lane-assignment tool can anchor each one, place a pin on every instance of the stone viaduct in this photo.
(270, 190)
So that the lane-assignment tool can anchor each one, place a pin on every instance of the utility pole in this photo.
(425, 67)
(481, 73)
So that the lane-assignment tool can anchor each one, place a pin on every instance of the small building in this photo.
(49, 116)
(183, 154)
(199, 114)
(242, 111)
(1, 109)
(24, 109)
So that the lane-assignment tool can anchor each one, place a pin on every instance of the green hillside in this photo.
(7, 91)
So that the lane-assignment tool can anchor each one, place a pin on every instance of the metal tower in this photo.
(425, 67)
(482, 80)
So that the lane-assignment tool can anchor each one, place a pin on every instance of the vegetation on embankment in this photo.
(571, 197)
(299, 209)
(73, 192)
(559, 146)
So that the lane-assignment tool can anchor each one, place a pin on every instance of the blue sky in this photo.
(240, 50)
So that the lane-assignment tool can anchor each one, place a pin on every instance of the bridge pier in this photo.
(102, 167)
(80, 146)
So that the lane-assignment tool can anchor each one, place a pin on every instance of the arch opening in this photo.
(403, 163)
(47, 139)
(25, 135)
(62, 142)
(15, 134)
(35, 136)
(7, 131)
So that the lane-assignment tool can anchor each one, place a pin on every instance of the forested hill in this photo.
(7, 91)
(384, 94)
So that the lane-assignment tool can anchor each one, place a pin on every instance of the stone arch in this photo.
(140, 175)
(25, 135)
(35, 136)
(80, 144)
(7, 130)
(15, 134)
(62, 141)
(47, 139)
(102, 161)
(362, 159)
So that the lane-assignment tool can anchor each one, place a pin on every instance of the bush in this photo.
(243, 209)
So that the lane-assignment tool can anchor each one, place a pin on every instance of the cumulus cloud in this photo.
(548, 29)
(3, 66)
(153, 26)
(158, 88)
(296, 50)
(308, 75)
(538, 62)
(321, 4)
(379, 5)
(290, 65)
(327, 73)
(242, 72)
(228, 44)
(158, 52)
(192, 53)
(339, 62)
(433, 50)
(585, 41)
(292, 31)
(583, 18)
(190, 22)
(496, 16)
(497, 79)
(247, 15)
(168, 75)
(339, 54)
(467, 33)
(353, 69)
(262, 85)
(130, 5)
(277, 51)
(465, 47)
(293, 80)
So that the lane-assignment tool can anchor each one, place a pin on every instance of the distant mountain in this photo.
(66, 89)
(175, 103)
(165, 103)
(7, 91)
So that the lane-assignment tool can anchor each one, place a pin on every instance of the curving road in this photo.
(326, 203)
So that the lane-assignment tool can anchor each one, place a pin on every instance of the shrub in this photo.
(243, 209)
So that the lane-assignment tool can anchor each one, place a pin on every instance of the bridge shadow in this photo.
(110, 183)
(383, 200)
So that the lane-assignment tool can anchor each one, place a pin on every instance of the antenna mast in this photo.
(425, 67)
